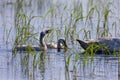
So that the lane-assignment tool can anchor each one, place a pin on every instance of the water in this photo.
(12, 68)
(53, 67)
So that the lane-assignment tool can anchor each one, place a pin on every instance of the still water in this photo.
(12, 68)
(53, 68)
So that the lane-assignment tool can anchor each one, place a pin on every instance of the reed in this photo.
(24, 31)
(69, 28)
(67, 60)
(8, 32)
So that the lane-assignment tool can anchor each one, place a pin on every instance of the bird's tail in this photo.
(83, 44)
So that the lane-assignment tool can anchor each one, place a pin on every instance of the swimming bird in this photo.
(110, 44)
(60, 44)
(43, 45)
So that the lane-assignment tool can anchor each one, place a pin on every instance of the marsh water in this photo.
(22, 66)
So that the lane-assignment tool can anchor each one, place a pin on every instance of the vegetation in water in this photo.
(69, 24)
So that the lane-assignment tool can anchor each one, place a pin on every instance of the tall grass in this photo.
(8, 35)
(69, 28)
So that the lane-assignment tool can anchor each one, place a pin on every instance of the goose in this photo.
(110, 44)
(61, 42)
(43, 46)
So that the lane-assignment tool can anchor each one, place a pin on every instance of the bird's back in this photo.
(28, 47)
(113, 44)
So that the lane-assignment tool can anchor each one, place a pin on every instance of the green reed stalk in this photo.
(114, 27)
(8, 34)
(106, 28)
(98, 23)
(67, 62)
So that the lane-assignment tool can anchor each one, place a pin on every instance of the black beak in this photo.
(48, 31)
(77, 40)
(65, 44)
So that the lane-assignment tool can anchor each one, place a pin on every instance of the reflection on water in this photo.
(51, 66)
(101, 69)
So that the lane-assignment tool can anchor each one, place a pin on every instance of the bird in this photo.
(60, 44)
(43, 46)
(107, 43)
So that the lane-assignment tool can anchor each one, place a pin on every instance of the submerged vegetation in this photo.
(71, 22)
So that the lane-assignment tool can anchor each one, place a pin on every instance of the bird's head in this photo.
(63, 42)
(43, 33)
